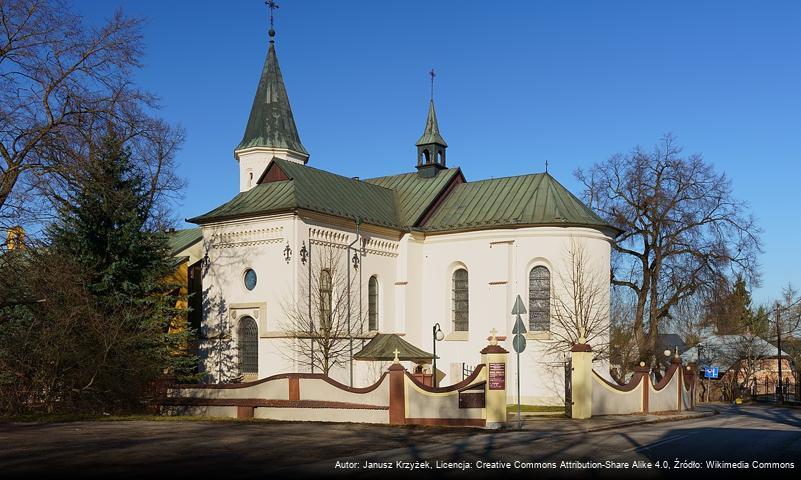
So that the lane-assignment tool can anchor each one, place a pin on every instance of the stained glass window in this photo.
(461, 304)
(539, 299)
(372, 304)
(250, 279)
(248, 344)
(326, 291)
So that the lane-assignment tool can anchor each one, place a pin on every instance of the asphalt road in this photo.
(740, 436)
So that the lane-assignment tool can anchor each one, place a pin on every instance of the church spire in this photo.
(271, 125)
(431, 146)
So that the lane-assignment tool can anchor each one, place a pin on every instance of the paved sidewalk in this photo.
(564, 425)
(132, 449)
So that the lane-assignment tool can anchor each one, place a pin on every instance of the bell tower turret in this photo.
(431, 146)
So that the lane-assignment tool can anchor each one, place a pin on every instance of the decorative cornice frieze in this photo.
(246, 238)
(376, 246)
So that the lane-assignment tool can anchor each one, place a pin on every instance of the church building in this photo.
(303, 268)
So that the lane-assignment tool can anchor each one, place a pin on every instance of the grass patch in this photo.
(535, 408)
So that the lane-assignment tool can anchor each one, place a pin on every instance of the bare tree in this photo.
(581, 306)
(623, 355)
(59, 81)
(744, 355)
(319, 319)
(682, 229)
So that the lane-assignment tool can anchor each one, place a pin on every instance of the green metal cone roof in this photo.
(383, 345)
(271, 123)
(536, 199)
(431, 132)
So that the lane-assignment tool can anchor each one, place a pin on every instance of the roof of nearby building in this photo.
(271, 123)
(383, 345)
(180, 240)
(723, 350)
(535, 199)
(671, 340)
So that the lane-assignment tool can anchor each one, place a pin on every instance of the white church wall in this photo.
(254, 161)
(415, 292)
(232, 248)
(498, 264)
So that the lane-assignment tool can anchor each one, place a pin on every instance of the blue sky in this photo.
(518, 83)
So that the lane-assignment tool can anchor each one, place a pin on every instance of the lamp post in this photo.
(700, 348)
(779, 386)
(436, 334)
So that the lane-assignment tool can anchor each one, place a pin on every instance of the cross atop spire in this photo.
(433, 74)
(273, 6)
(271, 125)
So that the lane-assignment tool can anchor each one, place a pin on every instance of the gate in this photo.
(568, 388)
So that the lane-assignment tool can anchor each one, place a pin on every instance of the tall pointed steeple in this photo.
(271, 130)
(271, 123)
(431, 146)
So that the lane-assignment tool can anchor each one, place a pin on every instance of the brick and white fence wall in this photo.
(396, 398)
(593, 395)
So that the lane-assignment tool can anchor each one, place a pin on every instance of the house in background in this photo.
(672, 342)
(187, 251)
(746, 364)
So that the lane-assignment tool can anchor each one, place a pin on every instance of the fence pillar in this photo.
(494, 357)
(397, 393)
(676, 361)
(645, 381)
(689, 380)
(581, 380)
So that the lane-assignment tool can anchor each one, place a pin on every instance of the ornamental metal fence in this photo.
(771, 391)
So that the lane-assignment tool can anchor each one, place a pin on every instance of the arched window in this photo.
(440, 159)
(326, 291)
(247, 336)
(461, 305)
(372, 304)
(426, 157)
(539, 299)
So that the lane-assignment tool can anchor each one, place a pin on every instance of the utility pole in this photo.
(780, 392)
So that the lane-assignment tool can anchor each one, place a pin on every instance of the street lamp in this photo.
(436, 334)
(700, 348)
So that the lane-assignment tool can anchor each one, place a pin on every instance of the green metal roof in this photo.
(402, 201)
(383, 345)
(312, 189)
(415, 193)
(180, 240)
(271, 123)
(536, 199)
(431, 132)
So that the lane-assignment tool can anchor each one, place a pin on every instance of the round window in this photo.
(250, 279)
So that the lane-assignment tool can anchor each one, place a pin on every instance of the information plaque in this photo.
(497, 376)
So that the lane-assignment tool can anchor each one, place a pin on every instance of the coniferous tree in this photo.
(124, 264)
(729, 310)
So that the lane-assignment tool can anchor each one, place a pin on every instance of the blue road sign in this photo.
(711, 372)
